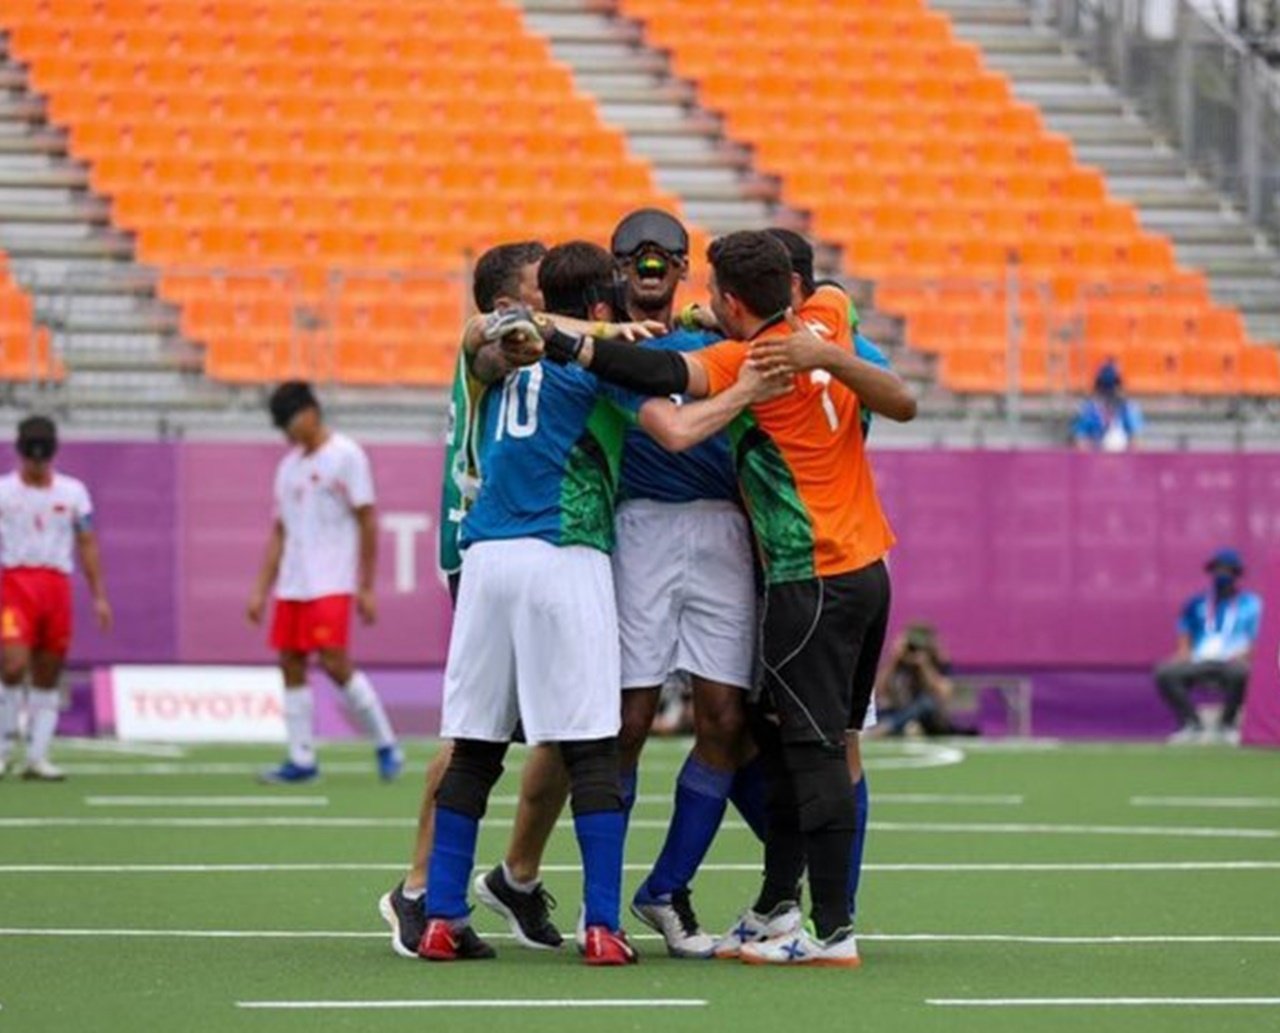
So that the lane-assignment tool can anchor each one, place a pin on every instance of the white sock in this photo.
(363, 705)
(298, 706)
(10, 708)
(43, 704)
(516, 884)
(414, 894)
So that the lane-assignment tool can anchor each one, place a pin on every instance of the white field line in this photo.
(1104, 1002)
(956, 799)
(330, 934)
(966, 828)
(520, 1003)
(1001, 867)
(1226, 802)
(206, 801)
(123, 749)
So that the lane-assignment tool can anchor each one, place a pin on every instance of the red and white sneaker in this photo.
(604, 946)
(443, 941)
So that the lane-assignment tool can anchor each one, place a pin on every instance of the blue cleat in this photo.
(390, 763)
(289, 773)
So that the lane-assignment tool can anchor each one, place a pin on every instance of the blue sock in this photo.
(630, 779)
(862, 800)
(702, 793)
(452, 858)
(748, 795)
(600, 840)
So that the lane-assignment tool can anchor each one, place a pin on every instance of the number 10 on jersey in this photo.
(518, 417)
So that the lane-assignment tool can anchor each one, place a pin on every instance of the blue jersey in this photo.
(1221, 628)
(705, 471)
(549, 449)
(868, 351)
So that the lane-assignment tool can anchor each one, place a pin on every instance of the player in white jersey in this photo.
(321, 555)
(46, 518)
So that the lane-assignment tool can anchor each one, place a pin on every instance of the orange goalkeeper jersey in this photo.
(801, 459)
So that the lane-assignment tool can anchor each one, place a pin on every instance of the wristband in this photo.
(562, 348)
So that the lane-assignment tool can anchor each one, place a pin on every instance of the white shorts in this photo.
(535, 637)
(686, 592)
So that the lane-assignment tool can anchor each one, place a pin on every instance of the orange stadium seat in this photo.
(931, 125)
(309, 139)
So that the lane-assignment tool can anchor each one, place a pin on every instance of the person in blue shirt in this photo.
(1107, 421)
(1217, 631)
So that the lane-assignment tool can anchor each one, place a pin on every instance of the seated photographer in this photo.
(914, 690)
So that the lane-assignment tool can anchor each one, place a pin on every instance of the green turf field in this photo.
(1040, 876)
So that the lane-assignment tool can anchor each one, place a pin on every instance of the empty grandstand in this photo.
(204, 196)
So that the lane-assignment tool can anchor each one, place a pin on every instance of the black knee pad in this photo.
(824, 794)
(594, 784)
(470, 777)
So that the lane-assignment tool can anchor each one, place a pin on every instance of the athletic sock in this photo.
(298, 706)
(630, 780)
(749, 794)
(414, 894)
(862, 801)
(365, 707)
(43, 706)
(828, 851)
(449, 871)
(702, 793)
(601, 836)
(10, 709)
(516, 884)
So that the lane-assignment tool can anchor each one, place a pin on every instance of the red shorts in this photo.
(303, 626)
(35, 609)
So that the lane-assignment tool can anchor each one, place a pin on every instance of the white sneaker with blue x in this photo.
(752, 927)
(839, 950)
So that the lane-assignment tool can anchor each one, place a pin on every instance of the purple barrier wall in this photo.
(1262, 706)
(134, 489)
(1059, 559)
(1023, 559)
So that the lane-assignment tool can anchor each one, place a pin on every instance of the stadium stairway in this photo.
(637, 92)
(1208, 233)
(108, 328)
(719, 187)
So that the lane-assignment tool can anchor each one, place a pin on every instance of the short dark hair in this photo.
(289, 399)
(801, 254)
(497, 273)
(755, 268)
(577, 275)
(37, 438)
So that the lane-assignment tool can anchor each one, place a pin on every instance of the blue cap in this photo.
(1229, 558)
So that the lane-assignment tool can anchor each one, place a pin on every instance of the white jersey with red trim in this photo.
(317, 496)
(38, 525)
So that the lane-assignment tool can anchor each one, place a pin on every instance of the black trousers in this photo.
(1176, 679)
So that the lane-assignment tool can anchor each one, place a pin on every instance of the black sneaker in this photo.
(527, 914)
(406, 920)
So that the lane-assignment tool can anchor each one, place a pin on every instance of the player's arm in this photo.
(677, 427)
(90, 556)
(485, 356)
(880, 390)
(267, 573)
(367, 518)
